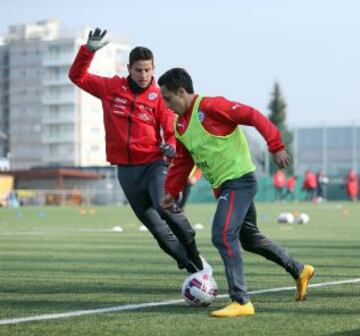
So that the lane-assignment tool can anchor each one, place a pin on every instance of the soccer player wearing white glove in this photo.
(134, 115)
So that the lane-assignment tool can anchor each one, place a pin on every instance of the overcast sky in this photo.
(235, 48)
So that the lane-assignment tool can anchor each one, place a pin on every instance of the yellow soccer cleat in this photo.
(303, 281)
(235, 309)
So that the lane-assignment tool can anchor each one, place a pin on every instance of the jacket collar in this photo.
(136, 88)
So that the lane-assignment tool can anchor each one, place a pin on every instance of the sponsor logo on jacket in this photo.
(120, 100)
(144, 116)
(119, 112)
(119, 106)
(148, 109)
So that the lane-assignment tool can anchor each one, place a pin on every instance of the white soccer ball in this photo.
(303, 218)
(199, 289)
(285, 217)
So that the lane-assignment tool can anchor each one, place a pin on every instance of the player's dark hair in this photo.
(176, 78)
(140, 54)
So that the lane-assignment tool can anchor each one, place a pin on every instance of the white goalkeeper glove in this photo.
(95, 40)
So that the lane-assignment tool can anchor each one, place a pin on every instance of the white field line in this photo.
(154, 304)
(54, 231)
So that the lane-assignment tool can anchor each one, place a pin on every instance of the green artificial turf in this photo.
(60, 259)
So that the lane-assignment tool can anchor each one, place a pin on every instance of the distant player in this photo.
(310, 185)
(134, 114)
(208, 135)
(352, 185)
(290, 187)
(279, 182)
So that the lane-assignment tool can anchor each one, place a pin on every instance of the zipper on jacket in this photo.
(107, 117)
(129, 128)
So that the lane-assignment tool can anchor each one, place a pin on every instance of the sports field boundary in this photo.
(130, 307)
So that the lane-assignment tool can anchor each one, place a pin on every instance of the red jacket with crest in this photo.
(132, 121)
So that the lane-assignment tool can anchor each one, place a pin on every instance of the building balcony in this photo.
(61, 119)
(56, 80)
(58, 138)
(55, 99)
(58, 60)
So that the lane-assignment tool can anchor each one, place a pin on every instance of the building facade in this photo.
(45, 120)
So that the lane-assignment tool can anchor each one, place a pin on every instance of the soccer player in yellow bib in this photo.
(208, 136)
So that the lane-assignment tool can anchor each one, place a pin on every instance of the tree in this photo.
(277, 116)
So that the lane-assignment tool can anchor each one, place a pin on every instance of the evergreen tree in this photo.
(277, 116)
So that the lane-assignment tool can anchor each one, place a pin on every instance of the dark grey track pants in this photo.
(143, 186)
(234, 226)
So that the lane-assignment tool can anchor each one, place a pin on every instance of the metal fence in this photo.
(201, 193)
(335, 190)
(70, 197)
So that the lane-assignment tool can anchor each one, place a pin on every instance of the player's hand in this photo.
(95, 40)
(168, 150)
(168, 202)
(281, 158)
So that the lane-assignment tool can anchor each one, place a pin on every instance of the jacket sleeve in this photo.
(240, 114)
(166, 118)
(79, 75)
(179, 171)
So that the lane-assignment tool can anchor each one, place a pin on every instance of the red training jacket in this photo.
(352, 184)
(310, 181)
(291, 183)
(279, 179)
(220, 117)
(132, 121)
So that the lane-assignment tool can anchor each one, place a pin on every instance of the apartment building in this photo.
(45, 120)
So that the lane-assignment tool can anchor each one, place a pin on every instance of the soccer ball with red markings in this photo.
(199, 289)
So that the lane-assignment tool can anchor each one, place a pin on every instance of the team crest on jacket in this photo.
(201, 116)
(152, 95)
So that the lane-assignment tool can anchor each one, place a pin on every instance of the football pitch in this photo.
(65, 271)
